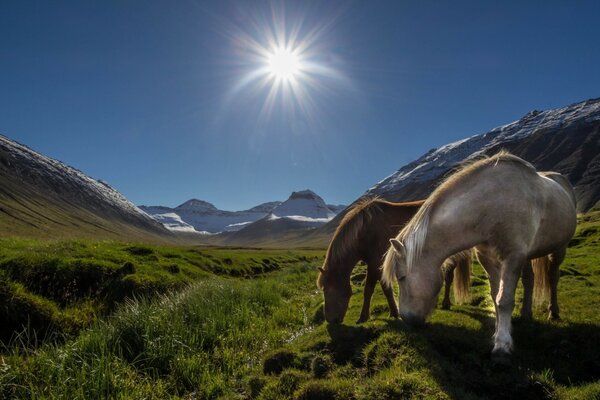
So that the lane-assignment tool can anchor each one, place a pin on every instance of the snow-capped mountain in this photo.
(302, 212)
(203, 216)
(305, 208)
(305, 203)
(566, 140)
(42, 196)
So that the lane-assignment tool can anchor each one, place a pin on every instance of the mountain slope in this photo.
(42, 197)
(566, 140)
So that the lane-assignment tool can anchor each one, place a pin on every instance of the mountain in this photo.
(43, 197)
(305, 203)
(204, 217)
(305, 207)
(566, 140)
(302, 212)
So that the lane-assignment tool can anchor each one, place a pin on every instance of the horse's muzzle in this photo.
(413, 319)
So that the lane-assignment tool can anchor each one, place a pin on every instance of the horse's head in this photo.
(419, 286)
(337, 291)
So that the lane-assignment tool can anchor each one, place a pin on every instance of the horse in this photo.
(363, 235)
(505, 209)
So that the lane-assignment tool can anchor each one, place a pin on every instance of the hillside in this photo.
(566, 140)
(42, 197)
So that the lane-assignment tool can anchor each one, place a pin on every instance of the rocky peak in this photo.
(197, 206)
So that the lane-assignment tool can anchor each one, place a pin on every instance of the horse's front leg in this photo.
(505, 300)
(489, 262)
(448, 278)
(527, 279)
(389, 295)
(365, 313)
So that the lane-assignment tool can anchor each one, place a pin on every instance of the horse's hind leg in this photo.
(448, 278)
(553, 276)
(527, 279)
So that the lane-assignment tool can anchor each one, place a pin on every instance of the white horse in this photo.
(506, 210)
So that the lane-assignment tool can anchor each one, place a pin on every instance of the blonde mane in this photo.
(413, 235)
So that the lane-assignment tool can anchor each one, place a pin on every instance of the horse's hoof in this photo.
(553, 317)
(362, 320)
(445, 306)
(501, 358)
(527, 316)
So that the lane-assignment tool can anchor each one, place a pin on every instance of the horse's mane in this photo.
(414, 232)
(347, 233)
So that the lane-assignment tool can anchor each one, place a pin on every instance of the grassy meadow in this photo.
(116, 320)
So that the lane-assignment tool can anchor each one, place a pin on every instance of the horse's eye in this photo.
(401, 278)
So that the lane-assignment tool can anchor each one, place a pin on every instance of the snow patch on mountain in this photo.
(174, 223)
(436, 162)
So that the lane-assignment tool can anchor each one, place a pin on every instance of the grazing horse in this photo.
(363, 234)
(506, 210)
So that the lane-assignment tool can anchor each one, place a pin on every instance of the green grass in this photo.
(264, 338)
(62, 286)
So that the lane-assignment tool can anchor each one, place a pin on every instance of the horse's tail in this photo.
(462, 276)
(388, 268)
(541, 279)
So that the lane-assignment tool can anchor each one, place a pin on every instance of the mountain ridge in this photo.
(308, 208)
(44, 197)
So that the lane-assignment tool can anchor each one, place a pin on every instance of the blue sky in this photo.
(155, 97)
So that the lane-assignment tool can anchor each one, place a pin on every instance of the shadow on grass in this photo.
(458, 358)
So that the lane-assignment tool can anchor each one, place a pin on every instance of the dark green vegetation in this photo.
(227, 337)
(58, 287)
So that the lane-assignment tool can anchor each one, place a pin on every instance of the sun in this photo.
(284, 64)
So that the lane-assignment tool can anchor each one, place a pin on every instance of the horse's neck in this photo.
(346, 258)
(451, 230)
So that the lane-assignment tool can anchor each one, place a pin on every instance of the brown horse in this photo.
(505, 209)
(363, 234)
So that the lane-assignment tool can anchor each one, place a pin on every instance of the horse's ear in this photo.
(321, 270)
(398, 246)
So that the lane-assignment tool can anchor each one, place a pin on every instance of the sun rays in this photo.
(286, 65)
